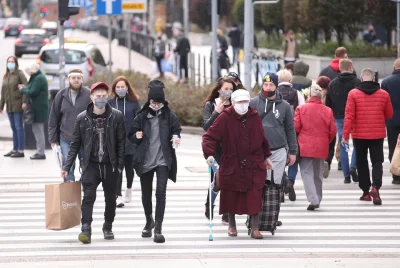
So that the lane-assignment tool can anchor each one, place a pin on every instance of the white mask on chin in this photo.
(241, 108)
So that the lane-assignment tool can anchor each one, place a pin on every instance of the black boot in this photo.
(148, 227)
(85, 236)
(158, 237)
(107, 231)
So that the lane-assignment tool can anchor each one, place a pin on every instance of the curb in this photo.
(185, 130)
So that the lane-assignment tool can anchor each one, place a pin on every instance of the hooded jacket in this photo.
(277, 119)
(338, 90)
(392, 85)
(367, 108)
(332, 70)
(289, 94)
(300, 71)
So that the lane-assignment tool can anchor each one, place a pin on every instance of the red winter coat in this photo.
(244, 150)
(367, 109)
(315, 126)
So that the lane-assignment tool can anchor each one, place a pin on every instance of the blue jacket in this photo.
(129, 109)
(392, 85)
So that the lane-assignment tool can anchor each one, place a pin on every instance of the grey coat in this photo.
(277, 119)
(63, 114)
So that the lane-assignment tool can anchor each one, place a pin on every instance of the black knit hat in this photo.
(156, 91)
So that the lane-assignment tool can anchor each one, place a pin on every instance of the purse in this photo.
(29, 116)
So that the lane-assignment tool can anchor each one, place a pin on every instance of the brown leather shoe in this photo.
(232, 232)
(256, 235)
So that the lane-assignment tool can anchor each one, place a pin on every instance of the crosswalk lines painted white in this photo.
(343, 225)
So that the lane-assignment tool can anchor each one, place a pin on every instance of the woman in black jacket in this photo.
(125, 99)
(155, 134)
(215, 103)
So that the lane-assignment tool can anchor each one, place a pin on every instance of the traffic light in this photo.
(65, 11)
(43, 11)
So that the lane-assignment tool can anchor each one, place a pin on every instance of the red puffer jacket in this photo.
(315, 126)
(367, 108)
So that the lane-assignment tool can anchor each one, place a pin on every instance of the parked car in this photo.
(86, 57)
(2, 22)
(92, 24)
(30, 41)
(26, 24)
(13, 27)
(51, 27)
(69, 24)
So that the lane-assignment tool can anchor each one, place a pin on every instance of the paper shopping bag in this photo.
(395, 164)
(63, 205)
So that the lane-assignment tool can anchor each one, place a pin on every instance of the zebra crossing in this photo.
(343, 226)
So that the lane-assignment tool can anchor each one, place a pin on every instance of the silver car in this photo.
(86, 57)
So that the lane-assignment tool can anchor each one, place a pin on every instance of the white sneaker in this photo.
(128, 195)
(120, 202)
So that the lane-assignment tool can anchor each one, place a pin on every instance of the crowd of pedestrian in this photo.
(258, 143)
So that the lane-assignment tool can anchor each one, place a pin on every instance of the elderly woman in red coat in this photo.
(315, 127)
(244, 160)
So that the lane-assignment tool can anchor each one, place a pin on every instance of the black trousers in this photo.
(128, 160)
(392, 135)
(375, 148)
(158, 60)
(95, 174)
(332, 148)
(146, 183)
(183, 64)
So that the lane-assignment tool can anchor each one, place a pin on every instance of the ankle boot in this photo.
(107, 231)
(148, 227)
(158, 237)
(85, 236)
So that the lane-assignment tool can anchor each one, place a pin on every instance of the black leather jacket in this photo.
(83, 135)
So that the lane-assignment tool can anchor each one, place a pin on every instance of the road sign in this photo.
(109, 7)
(134, 6)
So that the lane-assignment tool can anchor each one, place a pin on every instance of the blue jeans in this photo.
(17, 127)
(64, 151)
(292, 171)
(344, 156)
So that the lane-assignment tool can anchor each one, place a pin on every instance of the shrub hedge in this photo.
(186, 101)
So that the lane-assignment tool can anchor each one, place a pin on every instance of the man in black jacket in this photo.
(392, 85)
(100, 130)
(333, 70)
(183, 49)
(66, 107)
(336, 99)
(235, 35)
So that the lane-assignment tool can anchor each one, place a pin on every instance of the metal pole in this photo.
(204, 70)
(109, 50)
(61, 55)
(199, 68)
(248, 36)
(151, 15)
(129, 43)
(186, 17)
(214, 61)
(398, 28)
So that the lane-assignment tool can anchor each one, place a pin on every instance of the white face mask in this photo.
(241, 108)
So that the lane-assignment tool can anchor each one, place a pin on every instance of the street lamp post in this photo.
(398, 27)
(249, 37)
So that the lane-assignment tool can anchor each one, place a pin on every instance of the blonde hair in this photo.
(315, 91)
(369, 73)
(32, 68)
(284, 76)
(341, 52)
(220, 32)
(345, 65)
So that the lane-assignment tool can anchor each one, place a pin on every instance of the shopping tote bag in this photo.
(395, 164)
(63, 205)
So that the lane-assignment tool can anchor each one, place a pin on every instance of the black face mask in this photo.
(271, 93)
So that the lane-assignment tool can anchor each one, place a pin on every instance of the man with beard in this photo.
(67, 104)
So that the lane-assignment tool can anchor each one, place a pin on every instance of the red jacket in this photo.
(244, 149)
(367, 109)
(315, 126)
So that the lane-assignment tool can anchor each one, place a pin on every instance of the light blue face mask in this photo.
(11, 66)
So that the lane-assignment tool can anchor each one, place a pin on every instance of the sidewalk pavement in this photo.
(219, 262)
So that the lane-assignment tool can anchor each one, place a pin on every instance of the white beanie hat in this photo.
(240, 95)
